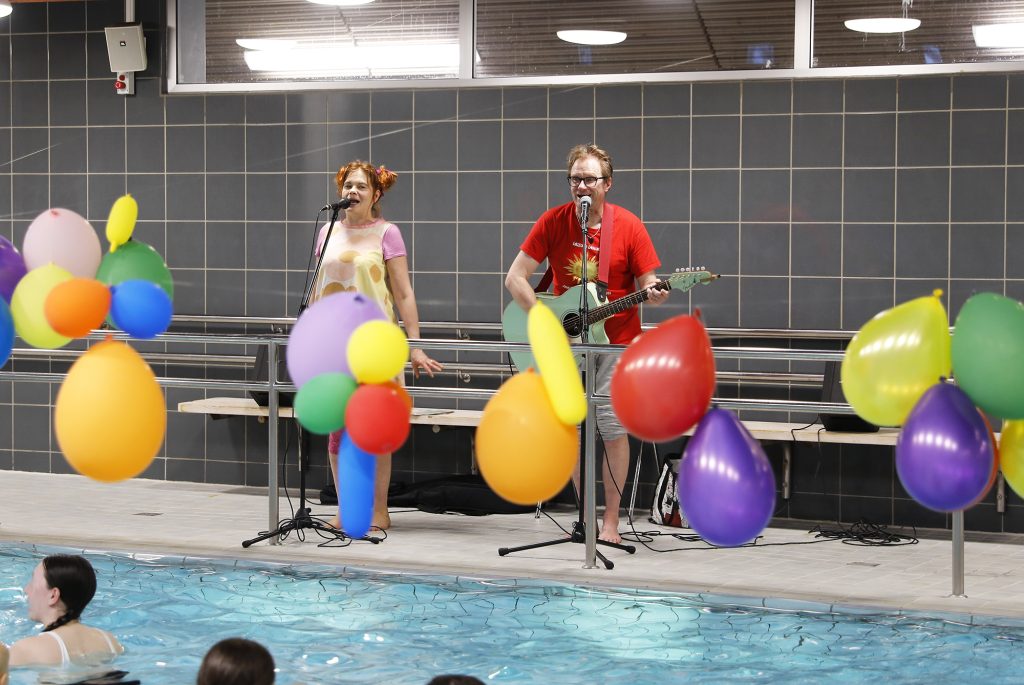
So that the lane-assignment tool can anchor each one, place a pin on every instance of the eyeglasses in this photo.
(588, 181)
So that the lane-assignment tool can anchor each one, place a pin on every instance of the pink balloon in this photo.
(62, 237)
(319, 341)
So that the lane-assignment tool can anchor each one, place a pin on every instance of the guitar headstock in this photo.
(685, 278)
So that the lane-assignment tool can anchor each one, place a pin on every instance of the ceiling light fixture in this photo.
(1009, 35)
(5, 8)
(900, 24)
(342, 3)
(432, 58)
(266, 43)
(592, 37)
(883, 24)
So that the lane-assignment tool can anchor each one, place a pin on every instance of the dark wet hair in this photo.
(75, 578)
(236, 661)
(452, 679)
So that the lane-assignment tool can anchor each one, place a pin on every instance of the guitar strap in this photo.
(605, 259)
(603, 263)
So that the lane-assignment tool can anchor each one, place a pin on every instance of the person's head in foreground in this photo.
(452, 679)
(236, 661)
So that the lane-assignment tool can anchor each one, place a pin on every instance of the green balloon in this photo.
(988, 354)
(135, 260)
(321, 401)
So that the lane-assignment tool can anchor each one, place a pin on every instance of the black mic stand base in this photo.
(303, 519)
(578, 536)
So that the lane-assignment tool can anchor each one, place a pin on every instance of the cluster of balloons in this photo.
(661, 387)
(343, 354)
(526, 443)
(895, 373)
(59, 287)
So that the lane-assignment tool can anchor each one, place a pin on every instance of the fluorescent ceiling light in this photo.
(883, 24)
(585, 37)
(431, 58)
(5, 8)
(342, 3)
(1009, 35)
(266, 43)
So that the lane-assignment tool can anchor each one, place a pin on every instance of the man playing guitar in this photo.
(558, 237)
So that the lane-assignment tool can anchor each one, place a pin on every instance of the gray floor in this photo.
(211, 521)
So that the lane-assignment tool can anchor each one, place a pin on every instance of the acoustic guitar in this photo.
(567, 309)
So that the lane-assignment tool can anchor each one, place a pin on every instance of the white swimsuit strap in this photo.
(110, 645)
(65, 658)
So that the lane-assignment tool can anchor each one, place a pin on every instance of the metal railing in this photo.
(274, 386)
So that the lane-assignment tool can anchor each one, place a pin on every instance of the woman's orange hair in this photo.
(380, 178)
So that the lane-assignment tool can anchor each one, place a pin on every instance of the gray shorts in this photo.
(607, 423)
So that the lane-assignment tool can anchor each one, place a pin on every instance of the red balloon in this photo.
(663, 383)
(995, 462)
(377, 418)
(401, 392)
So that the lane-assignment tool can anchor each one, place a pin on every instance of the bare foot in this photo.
(335, 522)
(381, 519)
(610, 528)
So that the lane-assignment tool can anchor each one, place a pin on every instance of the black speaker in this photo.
(832, 391)
(258, 374)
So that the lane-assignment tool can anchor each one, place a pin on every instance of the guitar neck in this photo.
(620, 305)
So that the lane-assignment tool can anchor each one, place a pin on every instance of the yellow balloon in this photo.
(524, 452)
(1011, 454)
(377, 352)
(28, 306)
(121, 221)
(557, 365)
(895, 357)
(110, 416)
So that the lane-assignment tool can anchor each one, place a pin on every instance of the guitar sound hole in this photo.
(572, 325)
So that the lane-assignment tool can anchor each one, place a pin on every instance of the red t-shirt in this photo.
(557, 237)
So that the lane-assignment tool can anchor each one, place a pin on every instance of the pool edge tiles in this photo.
(578, 589)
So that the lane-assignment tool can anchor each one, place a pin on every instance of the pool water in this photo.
(330, 625)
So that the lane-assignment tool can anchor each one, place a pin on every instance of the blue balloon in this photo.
(6, 332)
(356, 470)
(944, 454)
(726, 484)
(142, 309)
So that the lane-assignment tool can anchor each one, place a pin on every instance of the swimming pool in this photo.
(331, 625)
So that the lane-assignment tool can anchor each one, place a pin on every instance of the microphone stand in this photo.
(580, 533)
(303, 518)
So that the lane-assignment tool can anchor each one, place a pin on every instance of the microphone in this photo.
(343, 203)
(584, 212)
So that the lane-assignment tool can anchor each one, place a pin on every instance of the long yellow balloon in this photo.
(556, 364)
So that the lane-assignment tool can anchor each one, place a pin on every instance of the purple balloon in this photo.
(944, 454)
(319, 341)
(12, 268)
(726, 484)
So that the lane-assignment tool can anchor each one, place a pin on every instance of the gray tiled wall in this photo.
(820, 202)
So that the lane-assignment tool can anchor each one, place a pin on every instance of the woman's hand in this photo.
(420, 360)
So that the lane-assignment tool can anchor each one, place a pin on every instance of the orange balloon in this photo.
(110, 416)
(76, 307)
(525, 453)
